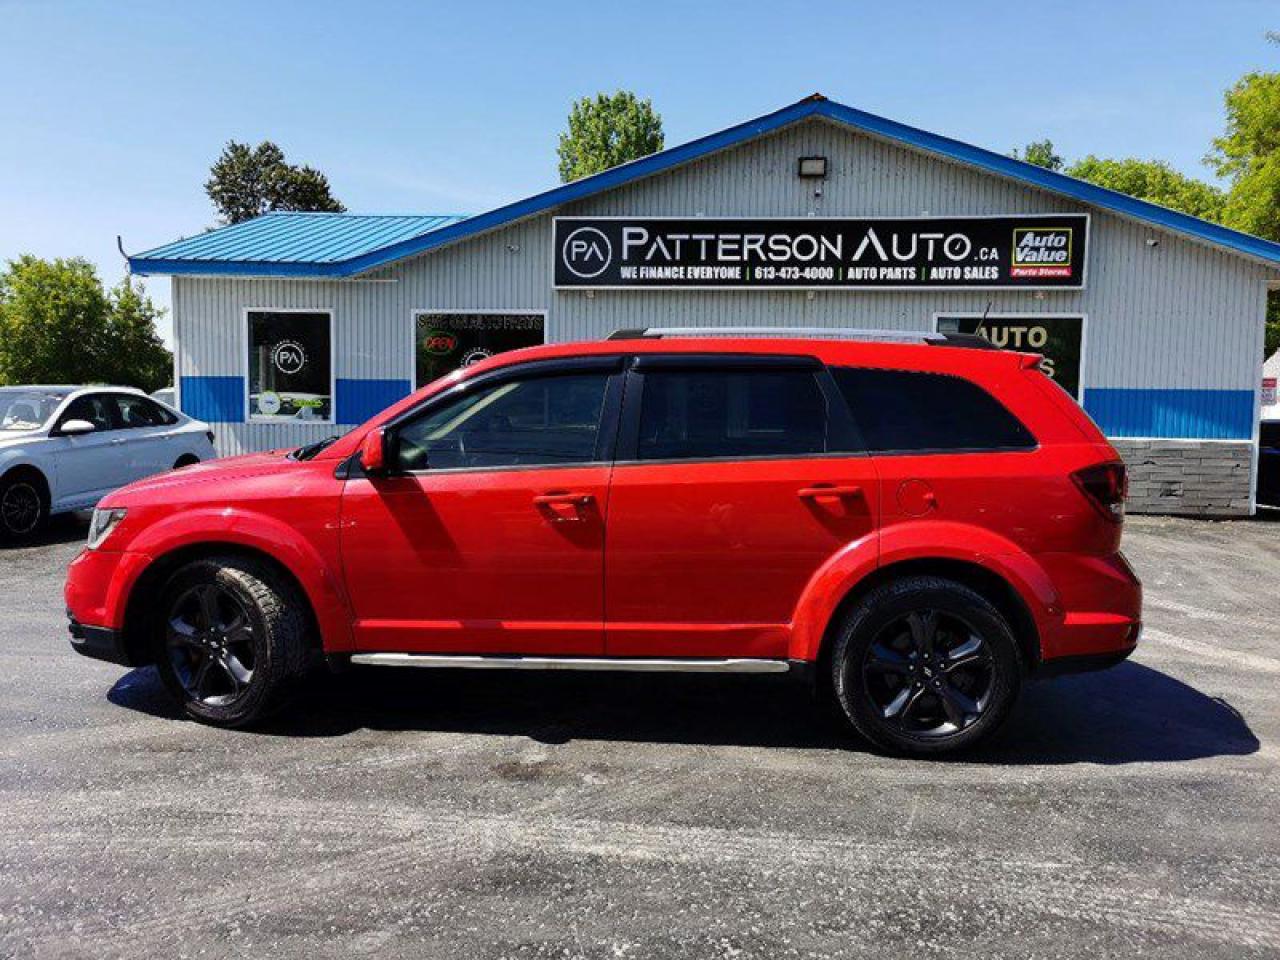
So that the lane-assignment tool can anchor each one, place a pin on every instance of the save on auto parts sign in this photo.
(662, 253)
(1058, 339)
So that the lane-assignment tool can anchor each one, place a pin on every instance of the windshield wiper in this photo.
(311, 449)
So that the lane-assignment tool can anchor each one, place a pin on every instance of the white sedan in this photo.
(65, 448)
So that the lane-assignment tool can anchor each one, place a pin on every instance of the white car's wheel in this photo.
(24, 506)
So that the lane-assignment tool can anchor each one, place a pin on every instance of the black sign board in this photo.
(1059, 339)
(1028, 251)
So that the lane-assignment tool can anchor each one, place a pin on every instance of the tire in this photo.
(925, 666)
(231, 640)
(186, 460)
(24, 507)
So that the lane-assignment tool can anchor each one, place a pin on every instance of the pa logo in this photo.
(288, 356)
(587, 252)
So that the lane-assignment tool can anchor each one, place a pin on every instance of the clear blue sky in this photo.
(112, 112)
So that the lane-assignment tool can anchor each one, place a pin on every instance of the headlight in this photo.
(100, 527)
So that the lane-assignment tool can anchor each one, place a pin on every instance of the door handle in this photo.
(828, 490)
(116, 441)
(550, 503)
(575, 499)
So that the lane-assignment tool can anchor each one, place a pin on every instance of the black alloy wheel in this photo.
(233, 638)
(929, 673)
(924, 665)
(210, 644)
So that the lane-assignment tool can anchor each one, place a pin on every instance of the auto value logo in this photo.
(1041, 252)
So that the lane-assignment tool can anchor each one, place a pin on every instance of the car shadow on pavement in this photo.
(64, 528)
(1128, 714)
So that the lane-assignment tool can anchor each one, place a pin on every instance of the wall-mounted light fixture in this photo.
(812, 167)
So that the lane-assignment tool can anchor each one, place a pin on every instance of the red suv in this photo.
(916, 526)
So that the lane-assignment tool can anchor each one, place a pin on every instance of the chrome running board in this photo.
(476, 662)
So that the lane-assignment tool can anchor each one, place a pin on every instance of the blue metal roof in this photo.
(450, 230)
(290, 244)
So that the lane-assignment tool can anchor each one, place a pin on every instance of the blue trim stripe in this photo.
(213, 399)
(358, 400)
(1175, 414)
(815, 106)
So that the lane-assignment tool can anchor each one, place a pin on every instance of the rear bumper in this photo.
(99, 643)
(1062, 666)
(1102, 613)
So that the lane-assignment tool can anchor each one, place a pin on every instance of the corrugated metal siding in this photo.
(1176, 315)
(1190, 414)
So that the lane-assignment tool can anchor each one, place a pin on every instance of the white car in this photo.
(65, 448)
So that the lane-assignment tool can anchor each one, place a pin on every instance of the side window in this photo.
(904, 411)
(138, 412)
(702, 414)
(94, 407)
(540, 421)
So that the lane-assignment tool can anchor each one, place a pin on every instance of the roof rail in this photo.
(969, 340)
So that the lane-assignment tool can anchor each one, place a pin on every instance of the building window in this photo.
(290, 365)
(443, 342)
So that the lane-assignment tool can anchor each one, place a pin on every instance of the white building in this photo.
(294, 326)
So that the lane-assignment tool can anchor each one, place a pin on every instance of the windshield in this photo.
(27, 409)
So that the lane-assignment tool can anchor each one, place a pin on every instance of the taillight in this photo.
(1105, 486)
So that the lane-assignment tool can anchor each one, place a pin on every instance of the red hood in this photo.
(191, 479)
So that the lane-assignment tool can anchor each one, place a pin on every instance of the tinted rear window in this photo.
(911, 411)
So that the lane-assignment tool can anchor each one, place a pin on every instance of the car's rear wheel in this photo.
(24, 508)
(924, 665)
(186, 460)
(231, 643)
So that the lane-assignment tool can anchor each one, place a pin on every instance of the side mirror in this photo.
(76, 428)
(373, 452)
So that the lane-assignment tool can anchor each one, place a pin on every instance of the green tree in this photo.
(58, 325)
(605, 131)
(246, 182)
(1041, 153)
(1154, 181)
(1248, 155)
(141, 358)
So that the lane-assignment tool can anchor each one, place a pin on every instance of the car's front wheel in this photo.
(231, 642)
(24, 506)
(924, 665)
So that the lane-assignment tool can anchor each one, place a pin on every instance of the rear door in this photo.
(736, 479)
(147, 433)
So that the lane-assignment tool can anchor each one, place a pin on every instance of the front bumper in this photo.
(96, 591)
(99, 643)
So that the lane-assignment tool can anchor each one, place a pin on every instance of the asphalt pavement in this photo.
(442, 815)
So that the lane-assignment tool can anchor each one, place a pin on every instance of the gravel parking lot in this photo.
(483, 815)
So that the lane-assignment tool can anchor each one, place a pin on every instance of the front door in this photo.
(736, 479)
(488, 536)
(88, 465)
